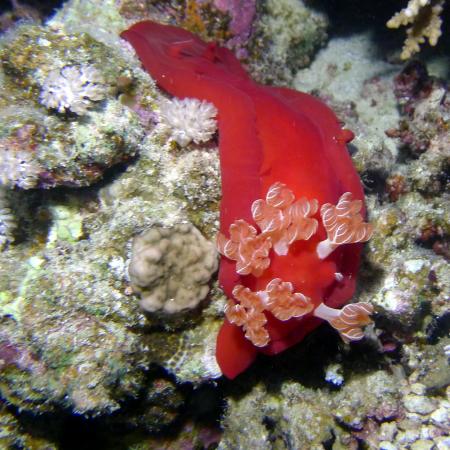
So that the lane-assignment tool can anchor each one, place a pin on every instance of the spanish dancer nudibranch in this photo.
(292, 209)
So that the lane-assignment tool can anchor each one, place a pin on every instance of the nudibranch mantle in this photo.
(292, 209)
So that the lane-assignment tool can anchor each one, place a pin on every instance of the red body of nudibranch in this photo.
(267, 135)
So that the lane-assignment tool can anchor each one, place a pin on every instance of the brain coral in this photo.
(171, 267)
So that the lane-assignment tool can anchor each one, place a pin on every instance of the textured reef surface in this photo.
(109, 210)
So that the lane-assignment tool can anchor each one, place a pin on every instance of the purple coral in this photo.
(14, 354)
(242, 13)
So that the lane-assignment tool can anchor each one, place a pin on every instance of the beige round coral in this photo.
(171, 268)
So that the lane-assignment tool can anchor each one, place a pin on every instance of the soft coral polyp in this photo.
(267, 135)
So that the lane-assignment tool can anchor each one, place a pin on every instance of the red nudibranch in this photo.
(292, 208)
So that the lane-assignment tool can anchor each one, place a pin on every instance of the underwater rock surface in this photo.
(84, 173)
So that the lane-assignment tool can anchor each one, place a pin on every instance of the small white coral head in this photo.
(18, 168)
(73, 88)
(189, 120)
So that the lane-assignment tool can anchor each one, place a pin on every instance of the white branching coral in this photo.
(171, 268)
(73, 88)
(18, 167)
(424, 18)
(7, 222)
(189, 120)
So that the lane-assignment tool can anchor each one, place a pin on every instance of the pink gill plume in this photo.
(343, 224)
(283, 220)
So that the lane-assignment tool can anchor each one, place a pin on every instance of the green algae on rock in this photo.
(285, 39)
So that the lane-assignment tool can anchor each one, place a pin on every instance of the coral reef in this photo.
(362, 95)
(422, 130)
(13, 434)
(424, 18)
(416, 278)
(297, 415)
(79, 357)
(210, 19)
(193, 359)
(198, 184)
(75, 288)
(242, 13)
(72, 330)
(18, 167)
(307, 417)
